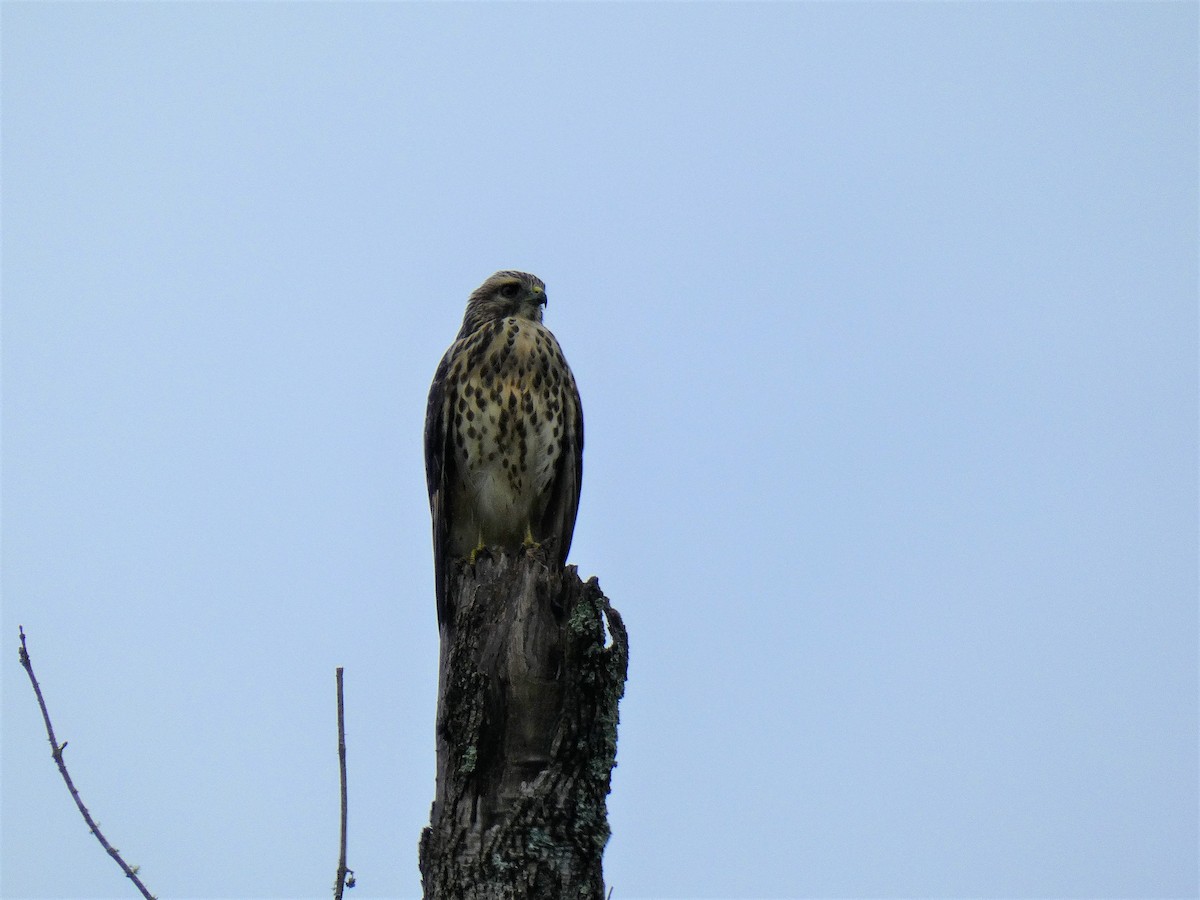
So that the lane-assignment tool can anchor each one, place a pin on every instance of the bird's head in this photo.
(505, 294)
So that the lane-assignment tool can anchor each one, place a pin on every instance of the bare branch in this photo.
(345, 877)
(57, 752)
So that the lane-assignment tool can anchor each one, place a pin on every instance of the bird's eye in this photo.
(510, 290)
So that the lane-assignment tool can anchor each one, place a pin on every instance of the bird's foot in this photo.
(529, 544)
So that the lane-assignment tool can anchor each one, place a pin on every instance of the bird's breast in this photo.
(509, 399)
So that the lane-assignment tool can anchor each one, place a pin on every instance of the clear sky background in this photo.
(885, 322)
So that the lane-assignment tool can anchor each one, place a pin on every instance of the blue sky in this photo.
(885, 321)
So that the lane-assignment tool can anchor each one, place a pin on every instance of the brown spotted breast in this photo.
(510, 398)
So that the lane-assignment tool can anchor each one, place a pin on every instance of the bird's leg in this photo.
(474, 553)
(529, 543)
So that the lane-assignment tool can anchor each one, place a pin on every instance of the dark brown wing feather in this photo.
(558, 521)
(439, 476)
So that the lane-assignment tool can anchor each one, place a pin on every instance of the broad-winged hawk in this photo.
(503, 432)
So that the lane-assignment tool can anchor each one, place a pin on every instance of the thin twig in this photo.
(345, 877)
(57, 752)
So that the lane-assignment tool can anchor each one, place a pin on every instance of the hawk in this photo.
(503, 433)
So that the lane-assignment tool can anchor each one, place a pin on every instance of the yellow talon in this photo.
(529, 543)
(474, 553)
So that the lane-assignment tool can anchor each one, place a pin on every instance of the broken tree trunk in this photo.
(533, 662)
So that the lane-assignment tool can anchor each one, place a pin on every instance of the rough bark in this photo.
(532, 666)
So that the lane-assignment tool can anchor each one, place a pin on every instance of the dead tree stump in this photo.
(533, 664)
